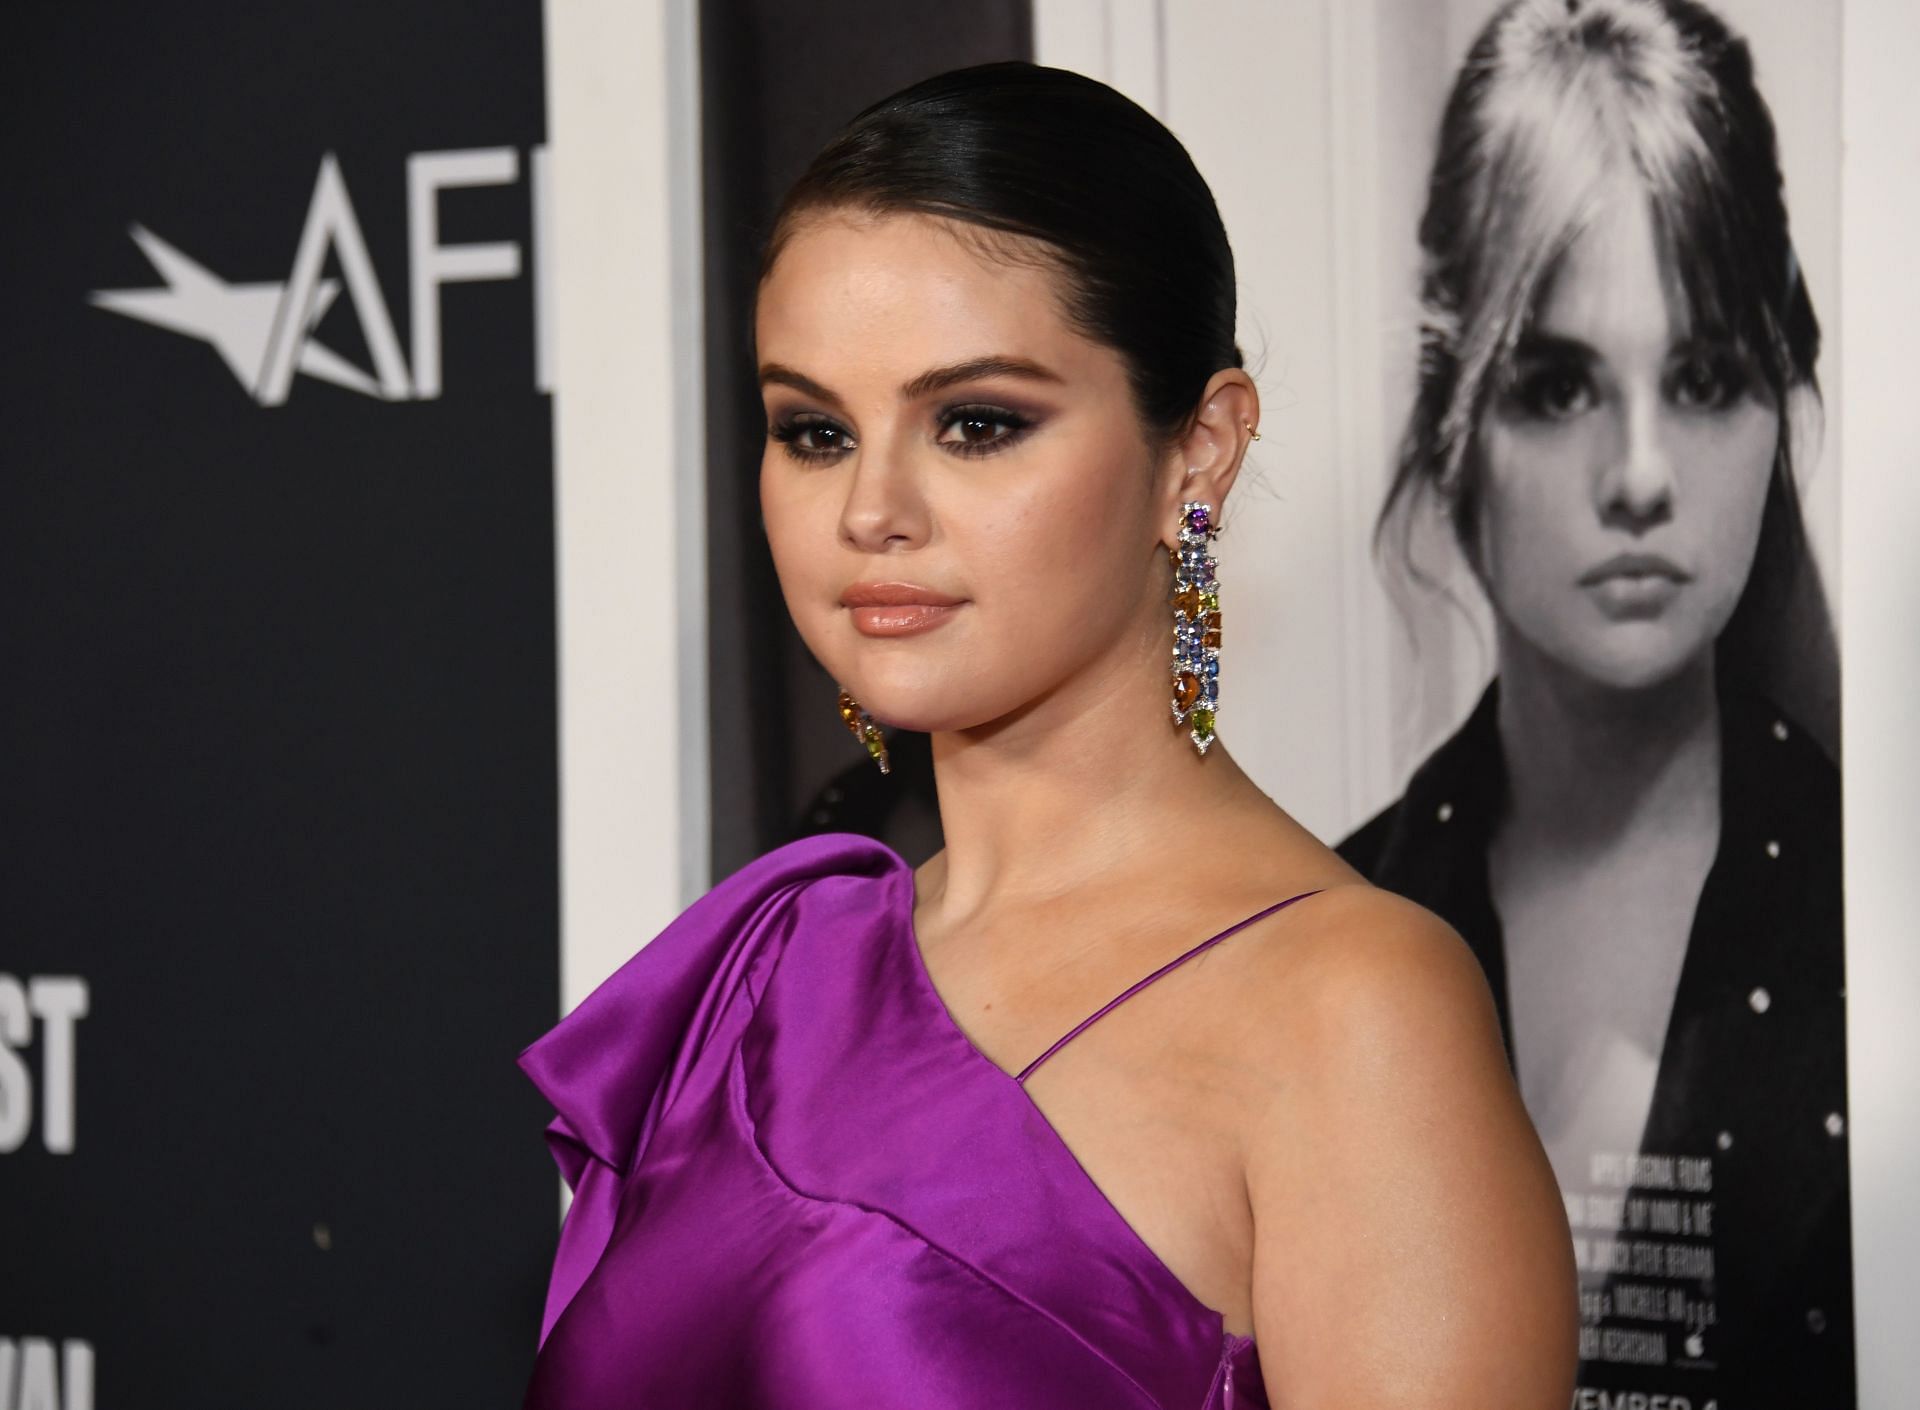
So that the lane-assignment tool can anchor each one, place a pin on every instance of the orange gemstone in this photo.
(1213, 634)
(1188, 600)
(1186, 689)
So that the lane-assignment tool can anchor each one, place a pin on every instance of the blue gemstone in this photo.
(1213, 666)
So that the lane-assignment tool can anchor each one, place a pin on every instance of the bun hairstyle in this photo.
(1107, 194)
(1557, 102)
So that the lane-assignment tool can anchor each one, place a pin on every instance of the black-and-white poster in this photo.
(1601, 490)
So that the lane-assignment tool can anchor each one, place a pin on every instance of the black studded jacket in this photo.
(1746, 1301)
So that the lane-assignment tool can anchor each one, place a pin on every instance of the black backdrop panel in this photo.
(778, 80)
(277, 718)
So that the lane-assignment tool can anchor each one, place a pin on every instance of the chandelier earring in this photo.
(864, 729)
(1196, 626)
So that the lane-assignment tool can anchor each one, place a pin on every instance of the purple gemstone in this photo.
(1197, 517)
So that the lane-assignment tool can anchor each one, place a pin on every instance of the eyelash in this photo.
(1531, 388)
(1730, 378)
(788, 430)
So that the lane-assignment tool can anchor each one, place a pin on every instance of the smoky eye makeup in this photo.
(980, 428)
(972, 428)
(810, 436)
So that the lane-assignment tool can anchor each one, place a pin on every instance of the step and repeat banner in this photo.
(277, 908)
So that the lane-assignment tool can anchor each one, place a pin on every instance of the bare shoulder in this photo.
(1363, 971)
(1375, 967)
(1401, 1199)
(1356, 928)
(1370, 1017)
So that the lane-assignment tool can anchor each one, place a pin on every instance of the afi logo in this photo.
(264, 331)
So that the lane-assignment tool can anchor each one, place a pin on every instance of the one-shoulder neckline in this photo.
(924, 977)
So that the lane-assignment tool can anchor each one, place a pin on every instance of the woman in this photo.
(829, 1144)
(1638, 841)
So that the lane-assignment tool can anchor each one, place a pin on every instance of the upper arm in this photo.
(1410, 1245)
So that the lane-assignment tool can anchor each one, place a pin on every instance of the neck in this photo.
(1586, 763)
(1089, 783)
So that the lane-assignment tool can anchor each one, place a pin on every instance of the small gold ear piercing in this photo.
(1250, 431)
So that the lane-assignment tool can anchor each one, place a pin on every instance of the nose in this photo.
(1636, 488)
(885, 509)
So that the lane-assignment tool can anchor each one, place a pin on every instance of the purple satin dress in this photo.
(799, 1186)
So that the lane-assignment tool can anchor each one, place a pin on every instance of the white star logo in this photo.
(238, 319)
(264, 332)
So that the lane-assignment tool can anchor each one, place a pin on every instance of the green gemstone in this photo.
(1209, 602)
(1202, 721)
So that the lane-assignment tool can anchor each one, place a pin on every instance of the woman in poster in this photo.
(1639, 840)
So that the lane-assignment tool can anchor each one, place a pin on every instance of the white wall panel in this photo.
(1879, 607)
(628, 465)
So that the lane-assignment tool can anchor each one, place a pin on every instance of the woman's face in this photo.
(959, 497)
(1624, 464)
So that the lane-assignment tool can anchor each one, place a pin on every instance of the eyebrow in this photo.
(974, 370)
(1543, 346)
(934, 380)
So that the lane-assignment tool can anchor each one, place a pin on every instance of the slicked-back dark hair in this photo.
(1109, 195)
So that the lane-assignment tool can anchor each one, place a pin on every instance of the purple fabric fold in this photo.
(797, 1184)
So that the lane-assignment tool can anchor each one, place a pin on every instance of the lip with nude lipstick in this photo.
(897, 609)
(1635, 585)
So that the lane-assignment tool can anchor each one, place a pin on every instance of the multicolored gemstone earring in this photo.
(1196, 626)
(864, 729)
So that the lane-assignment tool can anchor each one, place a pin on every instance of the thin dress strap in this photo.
(1119, 999)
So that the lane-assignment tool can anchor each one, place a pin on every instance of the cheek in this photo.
(1730, 466)
(1048, 551)
(801, 534)
(1532, 485)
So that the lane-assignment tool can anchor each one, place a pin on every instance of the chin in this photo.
(922, 717)
(938, 703)
(919, 704)
(1637, 656)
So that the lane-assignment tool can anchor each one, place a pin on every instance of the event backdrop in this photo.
(278, 906)
(279, 901)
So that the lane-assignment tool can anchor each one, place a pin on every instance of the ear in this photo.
(1205, 462)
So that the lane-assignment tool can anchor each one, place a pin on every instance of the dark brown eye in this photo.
(978, 430)
(820, 438)
(973, 429)
(811, 437)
